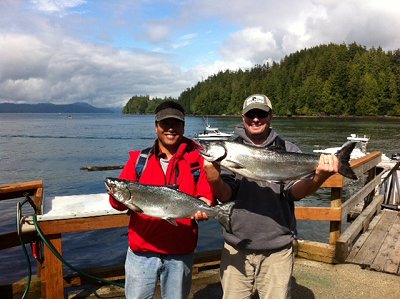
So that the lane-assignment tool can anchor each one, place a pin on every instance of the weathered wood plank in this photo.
(367, 253)
(346, 240)
(38, 200)
(387, 259)
(316, 251)
(335, 181)
(318, 213)
(364, 164)
(18, 189)
(335, 226)
(360, 195)
(361, 240)
(84, 224)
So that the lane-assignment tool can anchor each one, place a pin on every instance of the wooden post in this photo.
(52, 280)
(370, 177)
(336, 202)
(38, 200)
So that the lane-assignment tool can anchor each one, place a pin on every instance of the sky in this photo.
(103, 52)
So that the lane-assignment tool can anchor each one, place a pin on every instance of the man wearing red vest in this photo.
(157, 249)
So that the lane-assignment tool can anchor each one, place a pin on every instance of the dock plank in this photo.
(394, 255)
(387, 260)
(371, 247)
(362, 239)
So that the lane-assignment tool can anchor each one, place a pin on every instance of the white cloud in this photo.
(104, 52)
(251, 44)
(52, 6)
(75, 71)
(22, 57)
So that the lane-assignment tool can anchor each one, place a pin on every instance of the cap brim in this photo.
(169, 116)
(256, 106)
(170, 113)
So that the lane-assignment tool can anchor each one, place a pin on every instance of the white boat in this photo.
(359, 151)
(390, 179)
(212, 133)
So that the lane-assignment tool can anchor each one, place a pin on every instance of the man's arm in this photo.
(327, 166)
(221, 190)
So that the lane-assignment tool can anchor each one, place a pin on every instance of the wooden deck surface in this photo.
(378, 248)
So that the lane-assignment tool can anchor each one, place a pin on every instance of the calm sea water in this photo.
(53, 147)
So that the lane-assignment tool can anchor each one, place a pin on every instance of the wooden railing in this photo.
(347, 239)
(53, 280)
(19, 190)
(337, 212)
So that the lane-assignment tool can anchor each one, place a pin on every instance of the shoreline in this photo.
(383, 117)
(372, 117)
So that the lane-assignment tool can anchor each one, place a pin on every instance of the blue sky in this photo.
(103, 52)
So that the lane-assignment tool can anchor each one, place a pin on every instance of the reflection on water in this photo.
(52, 147)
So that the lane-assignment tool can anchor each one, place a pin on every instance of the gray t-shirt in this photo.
(263, 215)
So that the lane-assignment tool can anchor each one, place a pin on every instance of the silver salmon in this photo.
(263, 164)
(164, 202)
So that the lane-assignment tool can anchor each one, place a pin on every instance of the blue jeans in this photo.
(142, 271)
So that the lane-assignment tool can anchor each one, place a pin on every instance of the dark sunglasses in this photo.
(257, 113)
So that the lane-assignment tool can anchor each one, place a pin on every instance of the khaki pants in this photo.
(267, 272)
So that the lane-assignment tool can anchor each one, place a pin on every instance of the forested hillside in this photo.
(324, 80)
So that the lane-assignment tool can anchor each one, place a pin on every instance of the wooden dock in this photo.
(378, 248)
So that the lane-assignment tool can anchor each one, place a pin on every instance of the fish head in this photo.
(213, 150)
(118, 189)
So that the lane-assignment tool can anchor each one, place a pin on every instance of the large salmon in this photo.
(164, 202)
(263, 164)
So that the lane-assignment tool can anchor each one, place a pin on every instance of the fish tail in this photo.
(343, 156)
(224, 215)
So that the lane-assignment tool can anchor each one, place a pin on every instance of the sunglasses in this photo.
(257, 113)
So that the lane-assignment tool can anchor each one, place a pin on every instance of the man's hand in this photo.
(213, 171)
(327, 166)
(220, 189)
(201, 216)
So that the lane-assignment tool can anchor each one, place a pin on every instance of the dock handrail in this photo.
(17, 190)
(338, 210)
(361, 223)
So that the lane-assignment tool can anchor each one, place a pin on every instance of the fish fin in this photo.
(343, 156)
(224, 215)
(171, 221)
(233, 164)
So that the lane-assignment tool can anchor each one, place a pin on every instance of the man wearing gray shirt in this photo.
(258, 254)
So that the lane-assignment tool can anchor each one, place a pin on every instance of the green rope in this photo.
(58, 255)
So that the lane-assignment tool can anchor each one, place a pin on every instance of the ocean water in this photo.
(53, 147)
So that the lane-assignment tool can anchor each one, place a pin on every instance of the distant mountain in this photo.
(78, 107)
